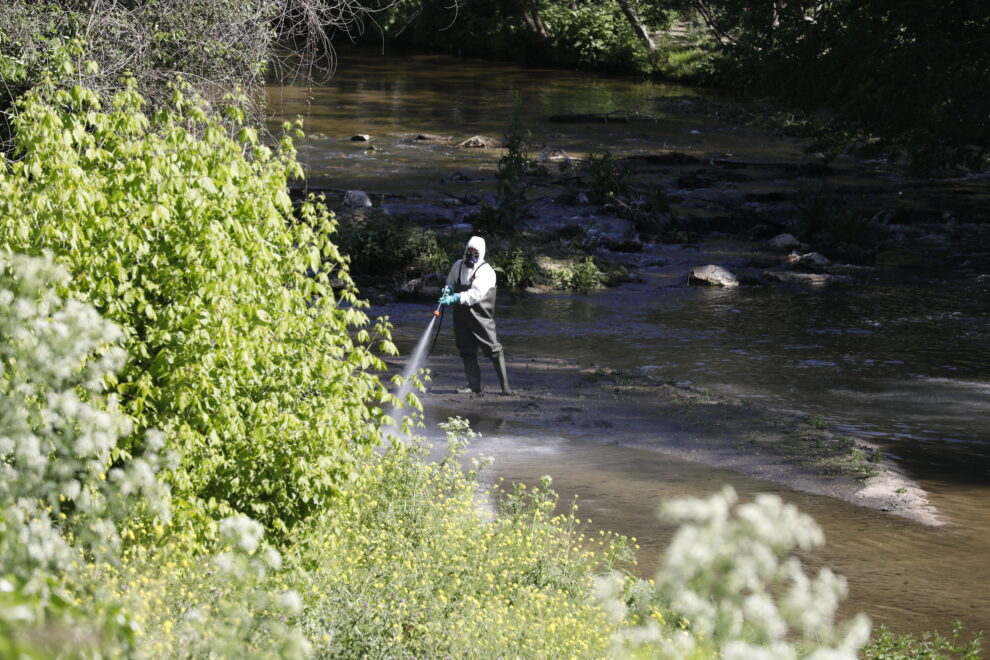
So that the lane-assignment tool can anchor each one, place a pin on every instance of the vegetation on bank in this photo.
(392, 249)
(191, 397)
(889, 79)
(389, 250)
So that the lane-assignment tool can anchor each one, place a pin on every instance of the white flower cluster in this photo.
(729, 573)
(57, 431)
(241, 532)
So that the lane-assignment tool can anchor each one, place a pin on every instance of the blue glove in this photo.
(450, 299)
(444, 292)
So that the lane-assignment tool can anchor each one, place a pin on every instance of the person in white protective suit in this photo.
(470, 290)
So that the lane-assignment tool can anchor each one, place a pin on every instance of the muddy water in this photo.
(903, 363)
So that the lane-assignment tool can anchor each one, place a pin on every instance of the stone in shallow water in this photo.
(712, 275)
(810, 261)
(481, 142)
(784, 242)
(812, 279)
(356, 199)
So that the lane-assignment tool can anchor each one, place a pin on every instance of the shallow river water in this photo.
(903, 363)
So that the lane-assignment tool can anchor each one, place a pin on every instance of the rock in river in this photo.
(481, 142)
(808, 279)
(812, 261)
(356, 199)
(712, 276)
(784, 242)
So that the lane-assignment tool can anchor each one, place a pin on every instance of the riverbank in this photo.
(641, 409)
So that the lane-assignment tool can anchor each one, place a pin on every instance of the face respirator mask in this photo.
(471, 258)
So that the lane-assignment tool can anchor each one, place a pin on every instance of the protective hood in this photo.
(478, 243)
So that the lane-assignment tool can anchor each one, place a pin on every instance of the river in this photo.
(903, 362)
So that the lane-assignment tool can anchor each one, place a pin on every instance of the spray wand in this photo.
(438, 314)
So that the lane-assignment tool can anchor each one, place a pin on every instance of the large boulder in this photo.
(356, 199)
(712, 275)
(361, 137)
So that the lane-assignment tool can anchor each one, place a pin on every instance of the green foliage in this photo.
(230, 601)
(608, 178)
(431, 575)
(885, 645)
(518, 269)
(818, 421)
(571, 274)
(418, 567)
(896, 72)
(593, 34)
(511, 204)
(510, 192)
(380, 244)
(585, 277)
(181, 232)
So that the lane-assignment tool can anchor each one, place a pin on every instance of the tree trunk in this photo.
(531, 14)
(637, 25)
(709, 17)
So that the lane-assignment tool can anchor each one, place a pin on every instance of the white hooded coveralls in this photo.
(474, 317)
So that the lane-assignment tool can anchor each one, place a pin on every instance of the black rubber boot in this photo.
(473, 373)
(503, 378)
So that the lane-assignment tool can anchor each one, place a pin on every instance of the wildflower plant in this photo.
(62, 496)
(420, 568)
(729, 577)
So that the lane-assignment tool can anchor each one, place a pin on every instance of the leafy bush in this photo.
(226, 602)
(608, 178)
(380, 244)
(511, 204)
(518, 269)
(593, 34)
(569, 274)
(888, 646)
(184, 235)
(585, 277)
